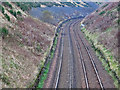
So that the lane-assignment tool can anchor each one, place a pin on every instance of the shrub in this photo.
(3, 31)
(101, 13)
(2, 9)
(105, 5)
(7, 4)
(24, 7)
(19, 13)
(96, 10)
(118, 21)
(13, 13)
(8, 18)
(118, 8)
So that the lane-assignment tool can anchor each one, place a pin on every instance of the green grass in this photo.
(45, 73)
(105, 56)
(44, 76)
(108, 29)
(13, 65)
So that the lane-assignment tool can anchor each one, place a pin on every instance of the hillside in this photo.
(25, 42)
(51, 4)
(101, 29)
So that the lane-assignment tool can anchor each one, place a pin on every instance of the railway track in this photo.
(82, 60)
(75, 67)
(70, 62)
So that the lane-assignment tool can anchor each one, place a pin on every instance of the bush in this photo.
(101, 13)
(13, 13)
(8, 18)
(105, 5)
(3, 31)
(7, 4)
(118, 9)
(96, 10)
(118, 21)
(2, 9)
(19, 13)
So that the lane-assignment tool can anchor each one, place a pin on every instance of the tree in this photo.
(3, 32)
(47, 16)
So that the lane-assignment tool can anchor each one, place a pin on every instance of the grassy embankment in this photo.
(50, 57)
(46, 67)
(110, 64)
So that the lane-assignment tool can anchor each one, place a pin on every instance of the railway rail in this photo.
(75, 67)
(90, 57)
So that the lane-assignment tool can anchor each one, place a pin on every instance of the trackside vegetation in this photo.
(110, 64)
(44, 69)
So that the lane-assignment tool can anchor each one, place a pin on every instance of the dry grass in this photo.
(23, 49)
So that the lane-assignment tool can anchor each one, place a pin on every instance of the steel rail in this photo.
(61, 60)
(82, 61)
(92, 61)
(60, 66)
